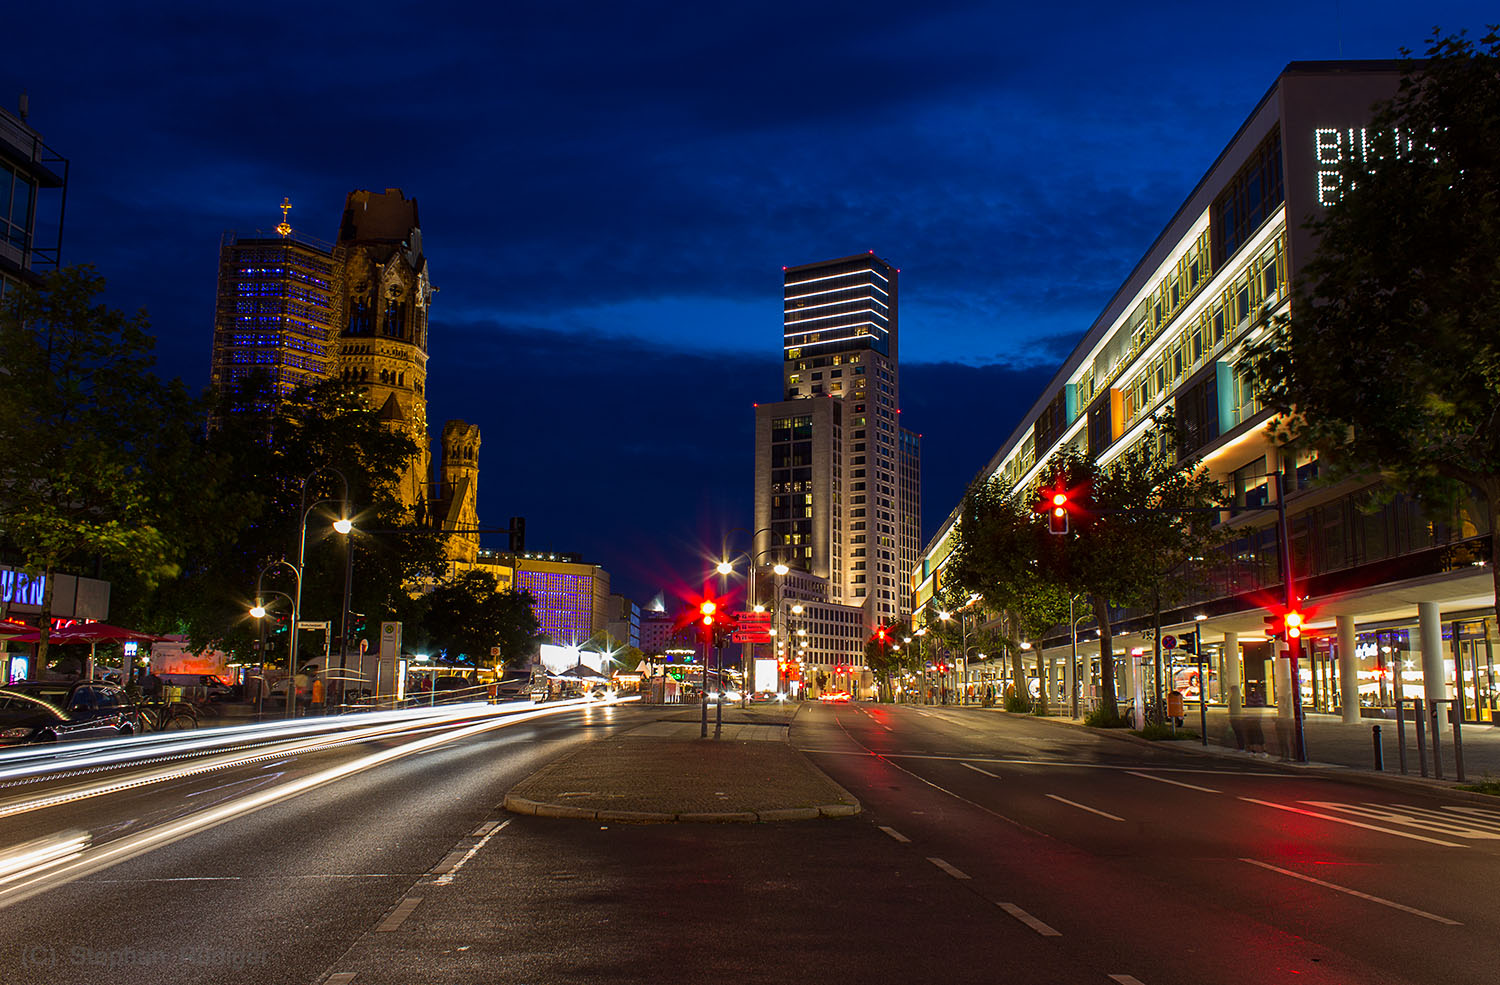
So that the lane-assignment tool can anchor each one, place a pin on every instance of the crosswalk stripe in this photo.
(1398, 814)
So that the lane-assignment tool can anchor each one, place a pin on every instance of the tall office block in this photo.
(837, 480)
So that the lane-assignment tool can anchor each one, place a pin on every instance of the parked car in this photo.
(212, 687)
(38, 711)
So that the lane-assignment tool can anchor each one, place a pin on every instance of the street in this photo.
(991, 847)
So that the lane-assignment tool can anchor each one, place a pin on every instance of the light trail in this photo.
(97, 858)
(261, 753)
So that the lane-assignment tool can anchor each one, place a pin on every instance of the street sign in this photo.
(303, 624)
(752, 627)
(494, 651)
(1169, 642)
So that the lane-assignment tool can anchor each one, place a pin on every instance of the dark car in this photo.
(35, 711)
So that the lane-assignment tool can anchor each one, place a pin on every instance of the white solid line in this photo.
(1355, 892)
(483, 829)
(1356, 824)
(976, 769)
(447, 876)
(1175, 783)
(896, 834)
(1084, 807)
(1028, 920)
(398, 915)
(1126, 980)
(341, 978)
(955, 873)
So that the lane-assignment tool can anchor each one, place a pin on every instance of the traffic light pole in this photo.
(1293, 643)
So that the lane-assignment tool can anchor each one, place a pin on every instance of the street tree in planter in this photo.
(1388, 364)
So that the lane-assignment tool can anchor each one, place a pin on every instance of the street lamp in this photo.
(258, 611)
(344, 526)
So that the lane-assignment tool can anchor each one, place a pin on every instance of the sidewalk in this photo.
(1347, 751)
(664, 772)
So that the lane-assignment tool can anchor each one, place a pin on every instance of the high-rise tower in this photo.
(836, 477)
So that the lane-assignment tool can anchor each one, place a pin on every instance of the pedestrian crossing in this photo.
(1455, 821)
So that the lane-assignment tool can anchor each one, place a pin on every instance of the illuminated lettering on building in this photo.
(1335, 147)
(19, 588)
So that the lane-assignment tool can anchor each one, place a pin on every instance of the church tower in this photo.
(383, 319)
(457, 504)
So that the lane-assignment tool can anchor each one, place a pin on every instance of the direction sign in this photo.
(752, 627)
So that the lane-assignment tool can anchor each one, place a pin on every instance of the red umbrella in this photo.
(98, 632)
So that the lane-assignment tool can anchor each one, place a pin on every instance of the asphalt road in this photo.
(991, 848)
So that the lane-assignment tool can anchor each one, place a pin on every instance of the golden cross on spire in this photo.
(284, 227)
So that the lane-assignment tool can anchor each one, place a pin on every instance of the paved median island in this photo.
(663, 772)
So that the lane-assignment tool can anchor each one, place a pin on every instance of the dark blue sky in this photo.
(608, 193)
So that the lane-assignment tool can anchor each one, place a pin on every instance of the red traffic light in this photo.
(708, 609)
(1293, 622)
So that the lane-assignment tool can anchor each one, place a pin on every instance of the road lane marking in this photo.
(1126, 980)
(1354, 892)
(398, 915)
(1417, 817)
(1354, 824)
(1175, 783)
(887, 728)
(896, 834)
(976, 769)
(1028, 920)
(447, 875)
(955, 873)
(1084, 807)
(341, 978)
(483, 829)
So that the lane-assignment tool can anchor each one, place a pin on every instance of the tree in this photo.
(1140, 520)
(1389, 361)
(467, 616)
(81, 414)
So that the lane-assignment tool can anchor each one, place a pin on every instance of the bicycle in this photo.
(167, 716)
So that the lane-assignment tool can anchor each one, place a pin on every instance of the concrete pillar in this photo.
(1124, 659)
(1348, 670)
(1229, 674)
(1430, 626)
(1069, 685)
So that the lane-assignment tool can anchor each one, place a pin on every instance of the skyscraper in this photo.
(837, 478)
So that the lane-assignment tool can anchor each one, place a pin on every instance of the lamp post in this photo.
(258, 610)
(344, 526)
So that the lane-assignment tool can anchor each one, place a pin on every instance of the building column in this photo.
(1229, 674)
(1430, 626)
(1348, 670)
(1070, 685)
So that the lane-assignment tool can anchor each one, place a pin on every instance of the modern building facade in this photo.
(33, 195)
(837, 479)
(1393, 594)
(571, 597)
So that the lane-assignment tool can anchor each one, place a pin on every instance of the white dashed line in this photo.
(1175, 783)
(1355, 824)
(447, 875)
(955, 873)
(1354, 892)
(1028, 920)
(340, 978)
(976, 769)
(1126, 980)
(398, 915)
(1084, 807)
(896, 834)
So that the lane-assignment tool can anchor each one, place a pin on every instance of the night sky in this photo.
(608, 193)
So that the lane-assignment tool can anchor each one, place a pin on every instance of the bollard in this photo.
(1437, 752)
(1458, 745)
(1379, 752)
(1417, 716)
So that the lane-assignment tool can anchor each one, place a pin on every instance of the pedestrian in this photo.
(317, 696)
(301, 686)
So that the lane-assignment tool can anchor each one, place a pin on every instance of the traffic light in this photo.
(1057, 513)
(1274, 626)
(707, 608)
(1293, 623)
